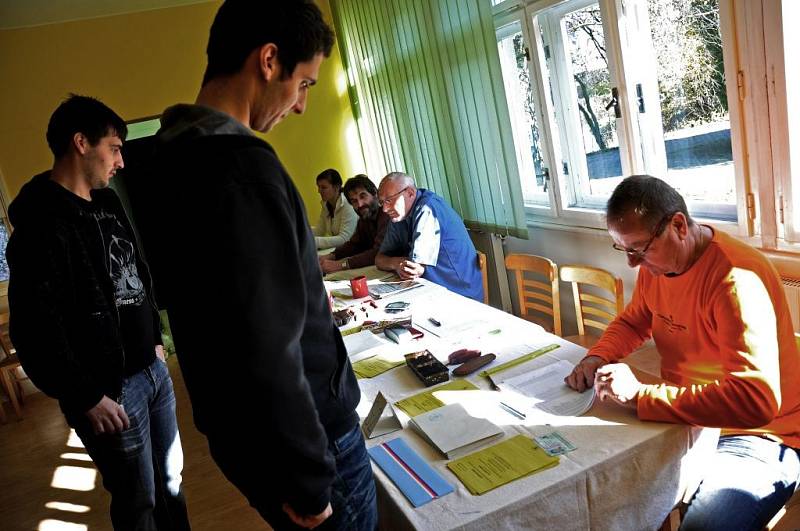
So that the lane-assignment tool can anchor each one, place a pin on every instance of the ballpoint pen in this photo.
(513, 411)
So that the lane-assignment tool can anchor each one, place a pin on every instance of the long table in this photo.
(624, 474)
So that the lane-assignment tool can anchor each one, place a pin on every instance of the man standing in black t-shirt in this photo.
(84, 323)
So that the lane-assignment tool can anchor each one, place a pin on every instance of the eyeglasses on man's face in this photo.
(390, 198)
(640, 254)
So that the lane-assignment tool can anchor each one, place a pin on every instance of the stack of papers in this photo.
(500, 464)
(545, 388)
(453, 431)
(418, 481)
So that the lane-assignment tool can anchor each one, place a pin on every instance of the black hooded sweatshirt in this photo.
(235, 264)
(75, 267)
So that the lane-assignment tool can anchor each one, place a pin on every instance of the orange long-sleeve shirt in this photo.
(727, 346)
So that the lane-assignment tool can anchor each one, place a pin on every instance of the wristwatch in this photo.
(344, 264)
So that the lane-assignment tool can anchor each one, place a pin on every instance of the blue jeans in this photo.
(352, 491)
(141, 466)
(749, 480)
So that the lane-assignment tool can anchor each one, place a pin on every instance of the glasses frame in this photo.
(640, 255)
(390, 198)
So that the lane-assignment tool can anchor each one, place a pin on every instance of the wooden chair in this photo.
(593, 310)
(9, 365)
(484, 275)
(537, 296)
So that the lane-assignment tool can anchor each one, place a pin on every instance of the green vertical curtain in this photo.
(427, 93)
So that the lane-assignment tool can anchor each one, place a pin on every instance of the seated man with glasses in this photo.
(427, 238)
(716, 309)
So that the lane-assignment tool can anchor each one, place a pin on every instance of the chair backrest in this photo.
(7, 351)
(591, 309)
(484, 275)
(536, 296)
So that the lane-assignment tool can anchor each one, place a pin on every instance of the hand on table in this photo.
(330, 266)
(617, 382)
(408, 270)
(306, 521)
(582, 376)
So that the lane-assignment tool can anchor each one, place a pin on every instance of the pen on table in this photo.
(434, 321)
(516, 413)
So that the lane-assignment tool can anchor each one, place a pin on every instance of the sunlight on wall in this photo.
(76, 456)
(341, 84)
(58, 525)
(352, 146)
(74, 441)
(74, 478)
(68, 507)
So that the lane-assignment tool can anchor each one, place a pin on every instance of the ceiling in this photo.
(27, 13)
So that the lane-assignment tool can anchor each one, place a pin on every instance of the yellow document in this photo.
(424, 402)
(377, 364)
(500, 464)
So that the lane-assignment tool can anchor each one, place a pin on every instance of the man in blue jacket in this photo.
(427, 238)
(84, 322)
(236, 266)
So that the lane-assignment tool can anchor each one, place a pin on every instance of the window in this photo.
(5, 232)
(620, 95)
(523, 110)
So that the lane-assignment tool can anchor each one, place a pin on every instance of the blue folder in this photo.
(418, 481)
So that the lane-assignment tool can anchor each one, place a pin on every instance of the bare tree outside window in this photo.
(691, 72)
(584, 29)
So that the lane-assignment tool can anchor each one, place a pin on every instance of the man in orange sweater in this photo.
(716, 310)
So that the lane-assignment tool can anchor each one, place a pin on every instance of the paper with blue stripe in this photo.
(401, 464)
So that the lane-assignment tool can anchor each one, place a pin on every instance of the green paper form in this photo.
(500, 464)
(377, 364)
(518, 361)
(424, 402)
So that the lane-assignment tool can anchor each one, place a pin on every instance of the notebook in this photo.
(453, 431)
(391, 288)
(417, 480)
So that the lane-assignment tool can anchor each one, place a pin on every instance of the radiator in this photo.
(492, 246)
(791, 286)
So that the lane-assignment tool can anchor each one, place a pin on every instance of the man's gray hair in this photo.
(401, 179)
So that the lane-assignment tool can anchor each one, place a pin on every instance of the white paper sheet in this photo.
(546, 387)
(363, 344)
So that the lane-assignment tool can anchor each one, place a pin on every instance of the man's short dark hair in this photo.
(330, 175)
(82, 114)
(649, 197)
(359, 181)
(296, 27)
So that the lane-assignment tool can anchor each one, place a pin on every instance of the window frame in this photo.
(748, 225)
(503, 21)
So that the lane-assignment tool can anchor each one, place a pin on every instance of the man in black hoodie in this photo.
(235, 264)
(83, 321)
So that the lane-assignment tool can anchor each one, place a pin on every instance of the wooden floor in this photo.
(40, 472)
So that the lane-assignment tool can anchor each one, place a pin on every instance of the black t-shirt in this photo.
(135, 313)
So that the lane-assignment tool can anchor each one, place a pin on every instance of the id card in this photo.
(554, 443)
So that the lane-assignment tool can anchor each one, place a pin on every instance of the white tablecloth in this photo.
(624, 474)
